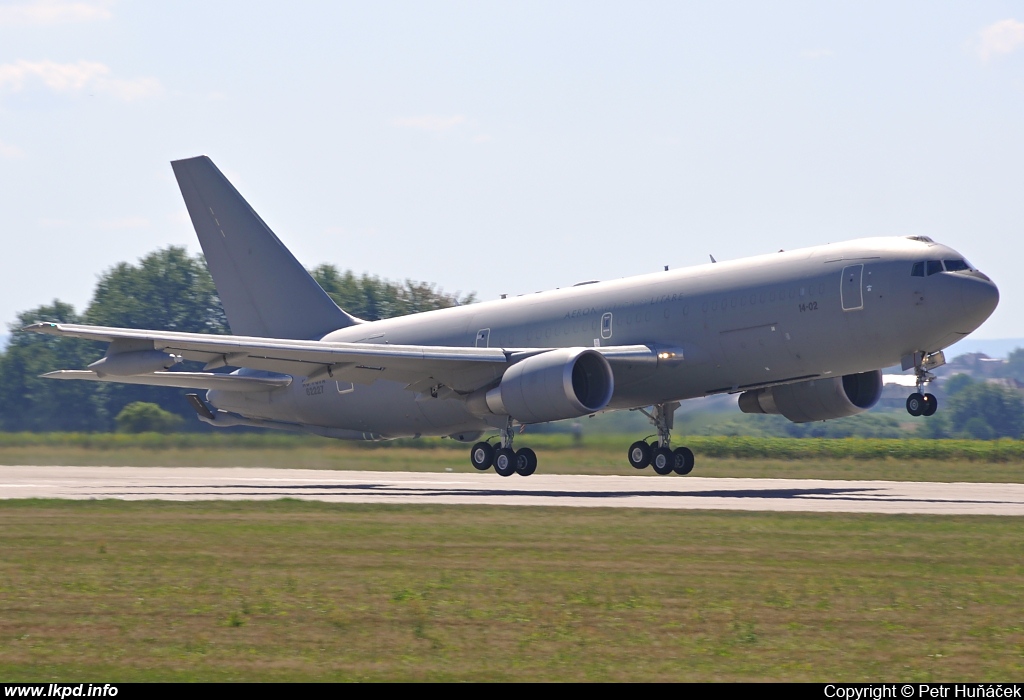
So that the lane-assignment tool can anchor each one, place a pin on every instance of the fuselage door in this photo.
(483, 338)
(852, 291)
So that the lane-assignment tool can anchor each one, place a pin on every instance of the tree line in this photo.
(167, 290)
(171, 290)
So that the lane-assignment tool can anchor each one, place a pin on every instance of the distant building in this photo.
(973, 364)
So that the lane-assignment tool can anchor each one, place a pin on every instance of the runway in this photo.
(681, 493)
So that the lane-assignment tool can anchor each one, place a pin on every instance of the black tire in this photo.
(505, 461)
(526, 461)
(931, 405)
(639, 455)
(915, 404)
(684, 460)
(482, 456)
(663, 461)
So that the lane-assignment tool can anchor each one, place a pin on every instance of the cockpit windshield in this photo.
(927, 268)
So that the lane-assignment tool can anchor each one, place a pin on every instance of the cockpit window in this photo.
(930, 267)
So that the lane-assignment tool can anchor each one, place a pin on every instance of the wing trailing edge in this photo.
(182, 380)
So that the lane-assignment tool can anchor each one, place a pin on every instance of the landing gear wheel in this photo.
(931, 405)
(915, 404)
(663, 461)
(684, 460)
(526, 461)
(505, 461)
(482, 456)
(639, 455)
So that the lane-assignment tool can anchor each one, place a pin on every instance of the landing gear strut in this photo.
(918, 403)
(504, 459)
(660, 454)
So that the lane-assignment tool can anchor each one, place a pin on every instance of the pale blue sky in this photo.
(511, 147)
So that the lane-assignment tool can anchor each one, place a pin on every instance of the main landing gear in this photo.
(504, 459)
(918, 403)
(660, 454)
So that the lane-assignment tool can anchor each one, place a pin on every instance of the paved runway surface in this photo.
(198, 484)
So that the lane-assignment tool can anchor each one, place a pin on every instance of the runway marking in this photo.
(487, 488)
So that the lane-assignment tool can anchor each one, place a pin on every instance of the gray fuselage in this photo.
(789, 316)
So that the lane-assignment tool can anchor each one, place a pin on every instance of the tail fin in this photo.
(264, 289)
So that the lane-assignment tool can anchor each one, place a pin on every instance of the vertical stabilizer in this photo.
(264, 289)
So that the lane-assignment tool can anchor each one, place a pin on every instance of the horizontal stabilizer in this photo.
(182, 380)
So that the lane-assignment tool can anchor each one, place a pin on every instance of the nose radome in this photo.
(979, 298)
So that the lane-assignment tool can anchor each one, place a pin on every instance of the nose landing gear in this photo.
(918, 403)
(660, 454)
(504, 459)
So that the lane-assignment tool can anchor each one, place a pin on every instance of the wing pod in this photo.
(126, 364)
(818, 399)
(554, 385)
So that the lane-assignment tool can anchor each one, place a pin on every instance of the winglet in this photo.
(264, 289)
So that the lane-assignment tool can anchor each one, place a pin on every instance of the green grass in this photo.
(742, 447)
(897, 460)
(122, 591)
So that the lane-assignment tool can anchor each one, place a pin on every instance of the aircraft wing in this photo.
(462, 369)
(182, 380)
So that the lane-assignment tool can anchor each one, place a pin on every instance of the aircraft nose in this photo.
(979, 298)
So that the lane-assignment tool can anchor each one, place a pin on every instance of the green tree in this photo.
(372, 298)
(28, 402)
(867, 425)
(165, 290)
(168, 290)
(142, 417)
(957, 383)
(985, 411)
(1015, 365)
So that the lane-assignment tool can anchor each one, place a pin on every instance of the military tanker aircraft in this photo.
(802, 333)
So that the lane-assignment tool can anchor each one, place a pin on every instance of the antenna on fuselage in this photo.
(712, 258)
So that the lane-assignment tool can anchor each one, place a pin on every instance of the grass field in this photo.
(895, 460)
(118, 591)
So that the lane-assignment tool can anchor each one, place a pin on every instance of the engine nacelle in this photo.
(818, 399)
(126, 364)
(555, 385)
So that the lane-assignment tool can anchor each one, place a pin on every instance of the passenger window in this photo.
(956, 265)
(934, 266)
(917, 270)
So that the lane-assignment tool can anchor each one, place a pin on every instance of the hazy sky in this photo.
(511, 147)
